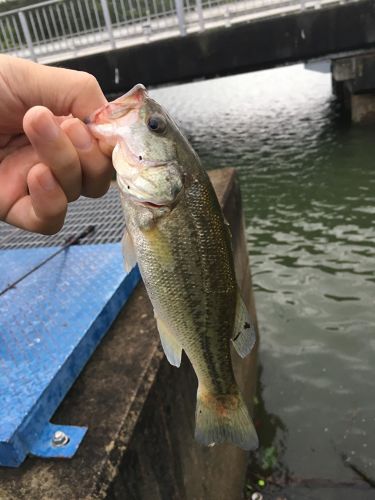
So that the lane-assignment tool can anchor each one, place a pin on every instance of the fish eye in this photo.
(156, 123)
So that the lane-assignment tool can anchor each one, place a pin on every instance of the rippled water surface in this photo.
(308, 185)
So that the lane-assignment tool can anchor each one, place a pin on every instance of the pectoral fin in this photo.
(171, 347)
(130, 258)
(244, 335)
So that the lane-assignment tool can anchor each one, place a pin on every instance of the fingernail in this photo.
(47, 181)
(46, 126)
(80, 136)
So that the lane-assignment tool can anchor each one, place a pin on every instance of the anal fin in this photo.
(244, 336)
(130, 258)
(171, 346)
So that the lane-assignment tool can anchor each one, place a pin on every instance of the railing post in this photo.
(181, 16)
(200, 14)
(227, 17)
(26, 32)
(108, 23)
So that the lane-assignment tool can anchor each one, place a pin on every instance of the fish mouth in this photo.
(132, 100)
(141, 198)
(149, 204)
(170, 204)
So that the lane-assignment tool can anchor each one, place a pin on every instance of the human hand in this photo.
(47, 155)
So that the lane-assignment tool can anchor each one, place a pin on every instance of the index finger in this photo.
(63, 91)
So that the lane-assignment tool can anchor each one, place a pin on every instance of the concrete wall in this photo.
(354, 84)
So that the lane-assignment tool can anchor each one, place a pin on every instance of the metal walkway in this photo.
(58, 297)
(57, 30)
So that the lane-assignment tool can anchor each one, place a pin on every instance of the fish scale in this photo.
(176, 232)
(204, 333)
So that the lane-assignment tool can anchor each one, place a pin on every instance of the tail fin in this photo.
(224, 418)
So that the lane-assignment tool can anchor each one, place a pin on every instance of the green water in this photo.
(308, 185)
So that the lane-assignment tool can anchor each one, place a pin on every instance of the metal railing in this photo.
(55, 29)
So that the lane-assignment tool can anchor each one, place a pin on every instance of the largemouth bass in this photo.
(176, 232)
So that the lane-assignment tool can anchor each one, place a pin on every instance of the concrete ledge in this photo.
(140, 412)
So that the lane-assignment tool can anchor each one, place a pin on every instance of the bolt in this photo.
(60, 439)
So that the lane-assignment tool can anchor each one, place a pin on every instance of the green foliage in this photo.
(269, 458)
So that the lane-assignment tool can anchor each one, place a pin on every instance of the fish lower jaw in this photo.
(140, 198)
(151, 204)
(130, 192)
(136, 196)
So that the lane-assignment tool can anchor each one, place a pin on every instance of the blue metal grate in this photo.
(50, 324)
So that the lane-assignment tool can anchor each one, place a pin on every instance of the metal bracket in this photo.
(58, 441)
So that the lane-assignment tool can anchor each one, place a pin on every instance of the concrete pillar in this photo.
(363, 108)
(353, 82)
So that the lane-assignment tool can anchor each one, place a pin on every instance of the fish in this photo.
(176, 232)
